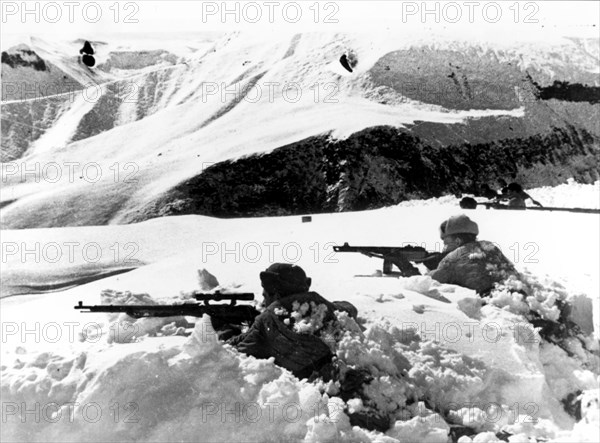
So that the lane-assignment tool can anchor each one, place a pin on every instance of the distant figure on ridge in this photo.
(517, 196)
(349, 61)
(87, 53)
(487, 192)
(87, 49)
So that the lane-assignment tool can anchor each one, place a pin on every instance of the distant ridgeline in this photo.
(377, 167)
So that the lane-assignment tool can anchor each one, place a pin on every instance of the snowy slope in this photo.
(235, 95)
(180, 388)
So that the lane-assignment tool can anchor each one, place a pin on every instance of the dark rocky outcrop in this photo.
(373, 168)
(570, 92)
(25, 58)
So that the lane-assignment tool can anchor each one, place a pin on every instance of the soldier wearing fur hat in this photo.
(279, 331)
(468, 262)
(293, 330)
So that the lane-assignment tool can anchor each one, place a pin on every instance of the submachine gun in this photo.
(401, 256)
(229, 313)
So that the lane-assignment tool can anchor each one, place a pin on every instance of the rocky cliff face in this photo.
(376, 167)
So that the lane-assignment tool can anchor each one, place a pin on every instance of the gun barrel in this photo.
(218, 296)
(138, 311)
(230, 313)
(409, 252)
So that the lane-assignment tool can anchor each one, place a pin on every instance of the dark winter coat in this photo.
(269, 337)
(476, 265)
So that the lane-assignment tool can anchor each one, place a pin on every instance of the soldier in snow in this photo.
(487, 192)
(465, 261)
(294, 328)
(291, 326)
(479, 265)
(468, 262)
(517, 196)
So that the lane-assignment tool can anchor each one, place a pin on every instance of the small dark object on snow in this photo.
(348, 61)
(351, 385)
(345, 64)
(468, 203)
(306, 219)
(503, 435)
(372, 422)
(458, 431)
(572, 404)
(88, 60)
(87, 49)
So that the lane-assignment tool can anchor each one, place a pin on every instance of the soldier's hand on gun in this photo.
(406, 267)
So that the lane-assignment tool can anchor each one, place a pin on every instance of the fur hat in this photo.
(458, 224)
(285, 279)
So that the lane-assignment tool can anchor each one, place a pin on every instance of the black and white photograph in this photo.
(300, 221)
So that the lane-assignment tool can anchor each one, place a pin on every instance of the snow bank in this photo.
(569, 195)
(157, 386)
(151, 391)
(455, 361)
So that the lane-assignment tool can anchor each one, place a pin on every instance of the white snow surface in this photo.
(69, 376)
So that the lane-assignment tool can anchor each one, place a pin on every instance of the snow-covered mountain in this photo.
(244, 124)
(149, 133)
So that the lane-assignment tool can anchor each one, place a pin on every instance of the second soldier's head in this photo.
(457, 231)
(283, 279)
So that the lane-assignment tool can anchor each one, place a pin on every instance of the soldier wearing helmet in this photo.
(468, 262)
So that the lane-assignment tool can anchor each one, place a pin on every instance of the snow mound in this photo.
(149, 383)
(153, 388)
(569, 195)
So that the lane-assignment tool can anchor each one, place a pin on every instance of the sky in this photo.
(573, 18)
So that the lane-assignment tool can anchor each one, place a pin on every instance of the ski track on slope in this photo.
(64, 128)
(95, 86)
